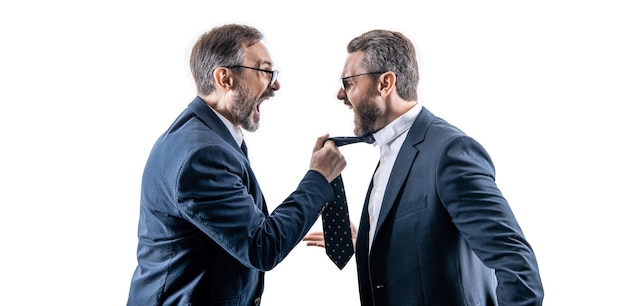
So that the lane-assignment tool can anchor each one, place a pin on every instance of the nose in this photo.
(275, 86)
(341, 94)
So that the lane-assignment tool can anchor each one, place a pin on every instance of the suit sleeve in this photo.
(214, 195)
(466, 180)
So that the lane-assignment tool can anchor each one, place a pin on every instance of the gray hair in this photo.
(220, 47)
(390, 51)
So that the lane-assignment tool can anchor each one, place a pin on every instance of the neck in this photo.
(395, 109)
(219, 105)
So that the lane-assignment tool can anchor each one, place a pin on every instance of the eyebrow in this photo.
(261, 62)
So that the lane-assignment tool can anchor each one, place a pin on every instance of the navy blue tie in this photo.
(346, 140)
(335, 216)
(244, 149)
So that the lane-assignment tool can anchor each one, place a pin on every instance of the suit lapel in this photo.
(402, 166)
(208, 116)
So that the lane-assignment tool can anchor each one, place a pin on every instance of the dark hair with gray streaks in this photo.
(390, 51)
(220, 47)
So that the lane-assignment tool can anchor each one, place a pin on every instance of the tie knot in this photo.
(346, 140)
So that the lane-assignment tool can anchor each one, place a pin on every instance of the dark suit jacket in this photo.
(444, 229)
(205, 236)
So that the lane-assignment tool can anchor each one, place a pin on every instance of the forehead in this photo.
(257, 54)
(354, 63)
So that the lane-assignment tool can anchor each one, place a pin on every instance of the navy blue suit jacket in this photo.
(444, 229)
(205, 236)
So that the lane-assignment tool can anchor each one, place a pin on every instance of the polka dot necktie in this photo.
(335, 217)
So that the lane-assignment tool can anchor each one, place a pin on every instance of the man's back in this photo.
(178, 262)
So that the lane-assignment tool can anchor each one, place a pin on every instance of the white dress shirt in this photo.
(389, 139)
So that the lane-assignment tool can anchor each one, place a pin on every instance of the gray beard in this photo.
(367, 113)
(243, 109)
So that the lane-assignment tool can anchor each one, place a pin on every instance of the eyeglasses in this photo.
(274, 73)
(344, 83)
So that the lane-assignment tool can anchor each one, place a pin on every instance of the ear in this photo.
(386, 83)
(223, 78)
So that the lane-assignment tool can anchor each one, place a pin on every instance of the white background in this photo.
(88, 86)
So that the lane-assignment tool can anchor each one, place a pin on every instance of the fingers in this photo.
(327, 159)
(316, 236)
(319, 144)
(315, 239)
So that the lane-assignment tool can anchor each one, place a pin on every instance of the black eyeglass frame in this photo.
(274, 73)
(344, 79)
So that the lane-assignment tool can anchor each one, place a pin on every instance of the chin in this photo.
(251, 125)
